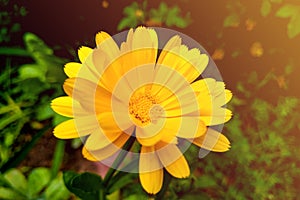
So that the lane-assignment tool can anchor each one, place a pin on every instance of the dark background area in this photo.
(70, 24)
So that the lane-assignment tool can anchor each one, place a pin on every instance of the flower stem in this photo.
(127, 146)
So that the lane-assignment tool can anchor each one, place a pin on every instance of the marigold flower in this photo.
(131, 90)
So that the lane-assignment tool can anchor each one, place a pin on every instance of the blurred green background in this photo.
(255, 45)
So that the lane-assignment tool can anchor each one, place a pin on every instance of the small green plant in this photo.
(38, 185)
(24, 86)
(139, 15)
(262, 163)
(7, 19)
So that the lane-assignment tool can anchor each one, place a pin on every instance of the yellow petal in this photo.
(140, 49)
(100, 37)
(86, 154)
(173, 160)
(189, 63)
(204, 86)
(185, 127)
(212, 141)
(72, 68)
(75, 128)
(150, 170)
(68, 86)
(99, 139)
(179, 168)
(150, 134)
(106, 43)
(66, 105)
(175, 41)
(228, 95)
(223, 98)
(91, 96)
(108, 151)
(111, 124)
(83, 53)
(127, 45)
(219, 116)
(152, 181)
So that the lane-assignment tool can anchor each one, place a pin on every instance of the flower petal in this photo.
(110, 124)
(189, 63)
(185, 127)
(172, 159)
(75, 128)
(99, 139)
(111, 149)
(141, 50)
(72, 68)
(212, 141)
(83, 53)
(66, 105)
(106, 43)
(219, 116)
(150, 134)
(91, 96)
(150, 170)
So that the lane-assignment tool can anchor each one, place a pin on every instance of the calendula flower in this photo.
(131, 90)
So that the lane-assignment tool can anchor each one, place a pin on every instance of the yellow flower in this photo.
(119, 92)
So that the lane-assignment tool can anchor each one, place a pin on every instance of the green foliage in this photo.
(87, 186)
(293, 12)
(10, 11)
(38, 185)
(139, 15)
(265, 8)
(231, 20)
(22, 102)
(236, 9)
(262, 163)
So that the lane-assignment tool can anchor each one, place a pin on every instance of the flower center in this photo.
(143, 107)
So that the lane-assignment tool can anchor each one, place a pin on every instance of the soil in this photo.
(41, 155)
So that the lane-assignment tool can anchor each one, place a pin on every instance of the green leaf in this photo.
(205, 181)
(131, 9)
(37, 180)
(287, 10)
(265, 8)
(85, 185)
(16, 180)
(57, 190)
(294, 26)
(232, 20)
(162, 9)
(261, 110)
(292, 12)
(57, 119)
(10, 51)
(9, 194)
(32, 71)
(253, 78)
(137, 197)
(276, 1)
(35, 45)
(10, 119)
(57, 157)
(288, 69)
(44, 112)
(76, 143)
(172, 16)
(196, 195)
(130, 22)
(120, 182)
(19, 156)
